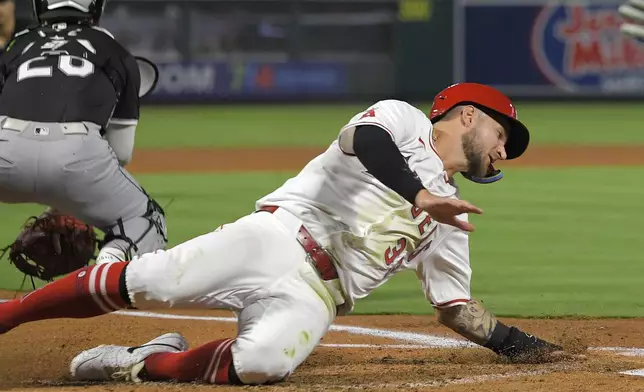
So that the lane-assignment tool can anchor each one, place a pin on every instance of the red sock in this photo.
(210, 363)
(87, 292)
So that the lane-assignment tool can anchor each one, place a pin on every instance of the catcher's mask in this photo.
(89, 11)
(496, 105)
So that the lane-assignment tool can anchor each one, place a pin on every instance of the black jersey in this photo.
(68, 73)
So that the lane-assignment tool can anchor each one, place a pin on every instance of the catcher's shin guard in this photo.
(87, 292)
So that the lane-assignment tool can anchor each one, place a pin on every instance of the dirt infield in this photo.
(360, 352)
(265, 159)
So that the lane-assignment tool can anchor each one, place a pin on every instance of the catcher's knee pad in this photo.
(261, 362)
(138, 235)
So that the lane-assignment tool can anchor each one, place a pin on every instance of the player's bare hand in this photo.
(446, 210)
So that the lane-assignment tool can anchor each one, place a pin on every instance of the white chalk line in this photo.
(635, 372)
(432, 341)
(365, 345)
(422, 341)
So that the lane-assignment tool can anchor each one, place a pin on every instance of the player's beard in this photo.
(474, 154)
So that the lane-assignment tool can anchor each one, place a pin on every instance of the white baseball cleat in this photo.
(120, 363)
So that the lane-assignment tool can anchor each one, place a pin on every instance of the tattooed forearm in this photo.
(480, 326)
(471, 320)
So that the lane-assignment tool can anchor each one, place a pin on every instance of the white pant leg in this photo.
(230, 268)
(277, 334)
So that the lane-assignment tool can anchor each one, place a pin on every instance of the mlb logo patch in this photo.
(41, 131)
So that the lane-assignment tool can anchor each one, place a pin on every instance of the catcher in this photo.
(69, 107)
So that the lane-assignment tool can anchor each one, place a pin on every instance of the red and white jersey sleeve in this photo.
(398, 118)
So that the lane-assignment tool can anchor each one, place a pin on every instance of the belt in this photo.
(321, 259)
(68, 128)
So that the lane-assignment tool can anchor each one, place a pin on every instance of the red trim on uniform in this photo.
(431, 144)
(452, 302)
(422, 142)
(434, 149)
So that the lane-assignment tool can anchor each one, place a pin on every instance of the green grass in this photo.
(551, 242)
(318, 125)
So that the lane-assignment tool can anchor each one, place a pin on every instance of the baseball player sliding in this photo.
(381, 199)
(69, 109)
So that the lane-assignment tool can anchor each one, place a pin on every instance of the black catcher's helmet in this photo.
(80, 10)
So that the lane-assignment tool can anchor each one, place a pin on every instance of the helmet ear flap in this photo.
(493, 175)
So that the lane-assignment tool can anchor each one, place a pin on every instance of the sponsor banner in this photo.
(213, 81)
(190, 81)
(552, 49)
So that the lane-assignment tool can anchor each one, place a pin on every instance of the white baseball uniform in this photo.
(255, 266)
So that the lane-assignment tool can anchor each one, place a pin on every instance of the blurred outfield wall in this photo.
(295, 50)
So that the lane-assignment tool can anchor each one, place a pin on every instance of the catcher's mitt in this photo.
(52, 245)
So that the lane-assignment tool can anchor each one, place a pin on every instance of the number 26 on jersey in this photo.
(67, 64)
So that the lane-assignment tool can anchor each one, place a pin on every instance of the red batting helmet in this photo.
(491, 101)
